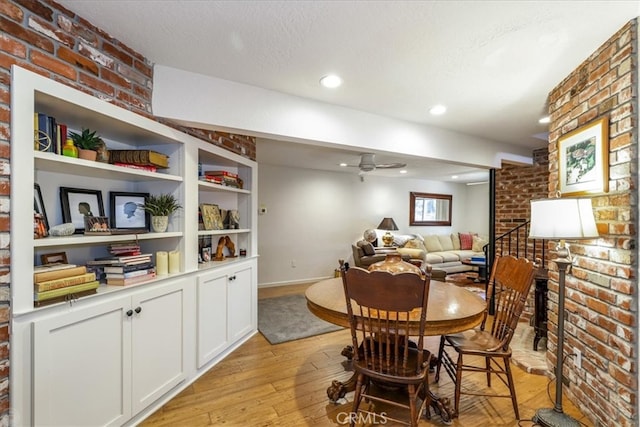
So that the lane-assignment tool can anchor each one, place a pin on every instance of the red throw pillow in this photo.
(466, 241)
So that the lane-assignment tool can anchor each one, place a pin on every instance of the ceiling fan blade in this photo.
(391, 165)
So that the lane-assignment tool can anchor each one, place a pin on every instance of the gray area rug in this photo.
(287, 318)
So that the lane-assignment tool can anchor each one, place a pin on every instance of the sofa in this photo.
(442, 252)
(365, 254)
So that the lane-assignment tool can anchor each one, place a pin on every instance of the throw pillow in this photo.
(478, 243)
(432, 243)
(366, 247)
(455, 239)
(401, 239)
(466, 241)
(415, 244)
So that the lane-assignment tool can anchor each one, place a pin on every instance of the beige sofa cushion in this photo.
(455, 240)
(445, 242)
(413, 253)
(432, 243)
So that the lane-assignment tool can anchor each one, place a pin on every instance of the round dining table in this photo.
(451, 309)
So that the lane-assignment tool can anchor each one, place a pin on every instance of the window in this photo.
(429, 209)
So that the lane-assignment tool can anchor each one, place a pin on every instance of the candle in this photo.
(162, 263)
(174, 262)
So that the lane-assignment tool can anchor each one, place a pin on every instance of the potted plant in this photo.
(160, 206)
(89, 145)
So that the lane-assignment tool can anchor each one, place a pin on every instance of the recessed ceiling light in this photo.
(454, 176)
(545, 120)
(438, 110)
(403, 171)
(344, 165)
(331, 81)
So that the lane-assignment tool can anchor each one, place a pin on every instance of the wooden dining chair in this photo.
(380, 306)
(510, 281)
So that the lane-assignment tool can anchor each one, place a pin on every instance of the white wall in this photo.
(313, 217)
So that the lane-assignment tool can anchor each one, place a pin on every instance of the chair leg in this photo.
(357, 397)
(458, 384)
(512, 388)
(439, 364)
(413, 410)
(487, 363)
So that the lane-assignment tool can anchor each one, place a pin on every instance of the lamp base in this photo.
(549, 417)
(387, 239)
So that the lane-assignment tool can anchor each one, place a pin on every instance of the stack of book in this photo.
(124, 249)
(58, 282)
(126, 270)
(223, 178)
(478, 258)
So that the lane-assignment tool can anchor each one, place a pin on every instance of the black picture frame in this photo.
(80, 199)
(38, 205)
(127, 212)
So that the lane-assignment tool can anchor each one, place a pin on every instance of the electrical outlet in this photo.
(577, 358)
(293, 263)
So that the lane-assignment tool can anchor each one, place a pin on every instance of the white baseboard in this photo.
(292, 282)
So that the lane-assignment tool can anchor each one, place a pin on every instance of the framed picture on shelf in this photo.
(583, 159)
(54, 258)
(211, 217)
(127, 211)
(38, 206)
(78, 203)
(206, 254)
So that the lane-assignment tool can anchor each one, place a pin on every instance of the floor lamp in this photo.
(561, 219)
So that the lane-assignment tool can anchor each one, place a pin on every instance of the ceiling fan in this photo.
(368, 163)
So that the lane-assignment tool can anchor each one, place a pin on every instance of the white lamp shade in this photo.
(569, 218)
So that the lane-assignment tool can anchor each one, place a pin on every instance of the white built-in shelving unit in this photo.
(94, 360)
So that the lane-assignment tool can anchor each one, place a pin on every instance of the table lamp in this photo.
(561, 219)
(390, 225)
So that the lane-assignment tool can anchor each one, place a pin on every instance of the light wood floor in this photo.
(285, 385)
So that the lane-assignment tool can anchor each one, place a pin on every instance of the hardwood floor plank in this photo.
(284, 385)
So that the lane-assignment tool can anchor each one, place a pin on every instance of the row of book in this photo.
(141, 158)
(50, 135)
(60, 282)
(222, 177)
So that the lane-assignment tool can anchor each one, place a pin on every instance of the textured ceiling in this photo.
(491, 62)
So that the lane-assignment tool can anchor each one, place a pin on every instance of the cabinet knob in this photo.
(232, 277)
(138, 310)
(129, 313)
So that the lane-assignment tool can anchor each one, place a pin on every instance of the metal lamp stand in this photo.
(555, 417)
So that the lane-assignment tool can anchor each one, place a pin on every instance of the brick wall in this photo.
(43, 37)
(601, 292)
(516, 186)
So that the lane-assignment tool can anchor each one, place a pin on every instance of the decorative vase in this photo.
(69, 150)
(87, 154)
(159, 223)
(393, 263)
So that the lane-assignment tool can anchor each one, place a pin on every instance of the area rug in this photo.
(287, 318)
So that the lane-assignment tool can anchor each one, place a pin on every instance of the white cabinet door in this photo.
(158, 345)
(81, 366)
(240, 304)
(212, 316)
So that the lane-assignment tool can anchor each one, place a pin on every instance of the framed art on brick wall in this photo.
(583, 159)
